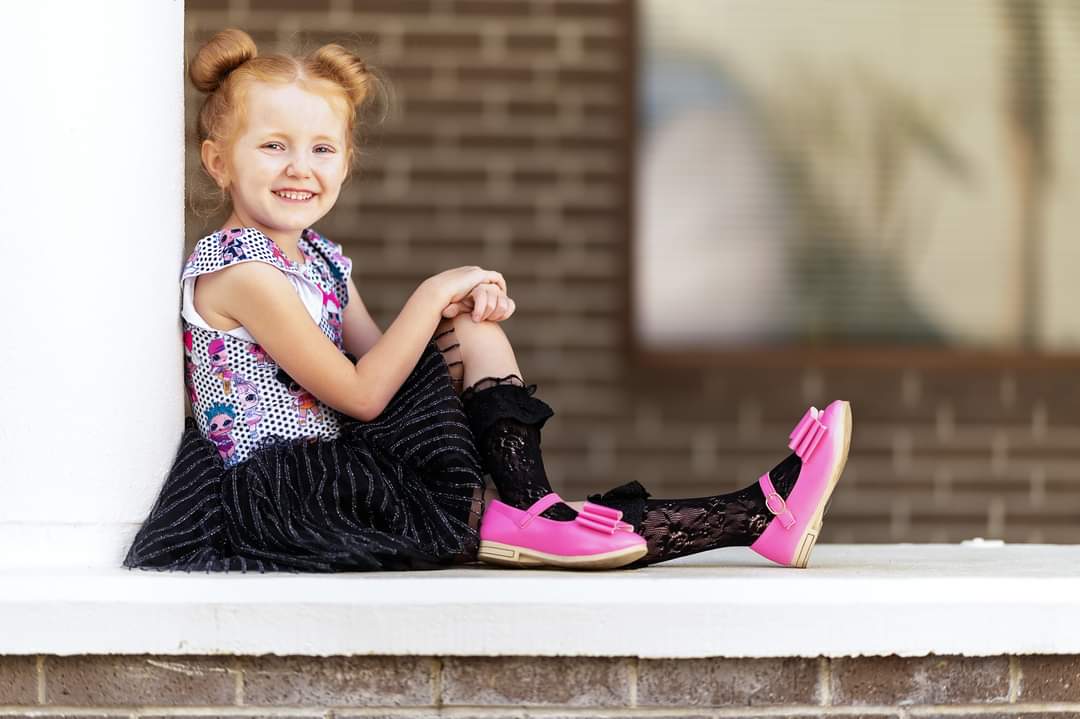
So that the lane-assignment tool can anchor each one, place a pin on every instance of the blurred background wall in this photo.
(515, 143)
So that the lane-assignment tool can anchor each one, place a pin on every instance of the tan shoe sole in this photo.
(510, 556)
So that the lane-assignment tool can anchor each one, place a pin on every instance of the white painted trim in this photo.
(92, 195)
(852, 600)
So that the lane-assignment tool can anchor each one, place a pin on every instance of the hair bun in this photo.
(346, 68)
(223, 53)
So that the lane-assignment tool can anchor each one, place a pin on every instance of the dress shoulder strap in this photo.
(239, 244)
(332, 253)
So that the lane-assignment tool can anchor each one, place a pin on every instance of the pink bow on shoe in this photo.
(602, 519)
(807, 434)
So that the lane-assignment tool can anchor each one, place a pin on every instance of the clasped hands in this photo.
(486, 301)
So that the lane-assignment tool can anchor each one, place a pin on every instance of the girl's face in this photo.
(294, 140)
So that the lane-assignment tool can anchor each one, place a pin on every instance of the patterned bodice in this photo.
(240, 398)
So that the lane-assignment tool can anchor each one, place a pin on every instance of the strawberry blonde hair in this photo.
(226, 66)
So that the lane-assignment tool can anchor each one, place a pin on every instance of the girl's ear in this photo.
(214, 162)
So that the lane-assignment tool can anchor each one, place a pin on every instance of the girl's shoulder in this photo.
(239, 244)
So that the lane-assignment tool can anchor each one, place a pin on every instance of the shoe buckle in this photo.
(783, 505)
(783, 514)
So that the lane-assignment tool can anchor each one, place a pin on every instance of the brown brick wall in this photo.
(509, 149)
(338, 686)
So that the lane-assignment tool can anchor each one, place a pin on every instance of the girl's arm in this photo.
(359, 331)
(261, 299)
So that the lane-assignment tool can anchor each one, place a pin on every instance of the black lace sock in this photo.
(506, 419)
(679, 527)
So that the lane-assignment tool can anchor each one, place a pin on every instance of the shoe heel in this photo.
(807, 545)
(504, 555)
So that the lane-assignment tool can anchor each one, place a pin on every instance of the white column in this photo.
(92, 211)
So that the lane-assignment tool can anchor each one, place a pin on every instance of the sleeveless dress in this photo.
(269, 478)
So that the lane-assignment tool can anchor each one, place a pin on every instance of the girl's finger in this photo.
(458, 308)
(493, 302)
(480, 304)
(494, 278)
(503, 308)
(512, 307)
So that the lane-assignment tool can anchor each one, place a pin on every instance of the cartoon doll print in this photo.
(305, 403)
(189, 369)
(219, 361)
(332, 312)
(219, 419)
(249, 405)
(191, 260)
(276, 252)
(232, 247)
(256, 350)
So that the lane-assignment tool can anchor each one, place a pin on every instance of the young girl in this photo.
(320, 443)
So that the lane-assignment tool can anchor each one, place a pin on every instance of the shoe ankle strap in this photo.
(539, 506)
(775, 503)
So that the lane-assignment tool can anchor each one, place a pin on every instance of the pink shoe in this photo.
(596, 539)
(821, 439)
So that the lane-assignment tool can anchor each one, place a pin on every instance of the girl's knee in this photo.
(464, 326)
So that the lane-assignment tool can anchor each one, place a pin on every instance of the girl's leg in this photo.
(675, 528)
(446, 341)
(505, 418)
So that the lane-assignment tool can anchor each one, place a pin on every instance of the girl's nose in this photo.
(298, 168)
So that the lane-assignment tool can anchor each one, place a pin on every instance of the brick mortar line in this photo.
(825, 681)
(144, 709)
(741, 710)
(238, 689)
(436, 681)
(1010, 709)
(1014, 678)
(39, 665)
(632, 679)
(376, 23)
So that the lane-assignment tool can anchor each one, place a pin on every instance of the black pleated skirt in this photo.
(403, 491)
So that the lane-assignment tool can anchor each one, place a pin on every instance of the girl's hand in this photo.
(487, 301)
(455, 285)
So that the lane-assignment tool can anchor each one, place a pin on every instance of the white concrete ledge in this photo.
(907, 599)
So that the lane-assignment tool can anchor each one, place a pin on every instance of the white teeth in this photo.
(294, 195)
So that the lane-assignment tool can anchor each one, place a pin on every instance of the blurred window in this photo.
(858, 171)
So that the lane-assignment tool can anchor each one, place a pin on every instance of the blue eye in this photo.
(327, 147)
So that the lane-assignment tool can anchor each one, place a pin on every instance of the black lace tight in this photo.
(679, 527)
(505, 419)
(506, 423)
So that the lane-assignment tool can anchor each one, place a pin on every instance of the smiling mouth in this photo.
(294, 196)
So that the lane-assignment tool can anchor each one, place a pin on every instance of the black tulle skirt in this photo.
(400, 492)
